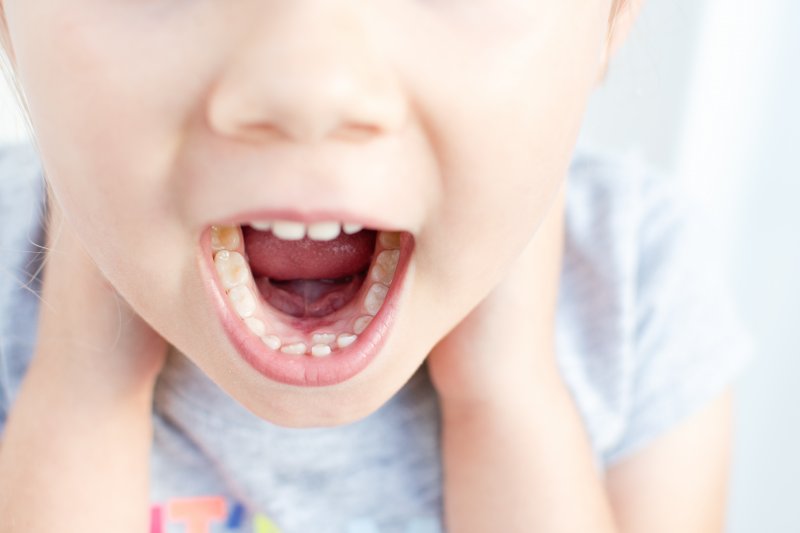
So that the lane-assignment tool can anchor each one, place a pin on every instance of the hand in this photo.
(500, 350)
(85, 325)
(81, 424)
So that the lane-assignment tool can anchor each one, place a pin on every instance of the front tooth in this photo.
(261, 225)
(289, 231)
(390, 240)
(320, 350)
(224, 238)
(345, 339)
(256, 326)
(361, 324)
(324, 231)
(350, 228)
(385, 266)
(297, 348)
(243, 302)
(375, 298)
(272, 341)
(232, 268)
(323, 338)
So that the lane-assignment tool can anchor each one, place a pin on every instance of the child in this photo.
(318, 267)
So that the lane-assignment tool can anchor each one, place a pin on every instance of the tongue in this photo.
(306, 259)
(308, 278)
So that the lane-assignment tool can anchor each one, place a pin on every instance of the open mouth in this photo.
(306, 304)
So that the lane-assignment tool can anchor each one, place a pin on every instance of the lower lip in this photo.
(305, 370)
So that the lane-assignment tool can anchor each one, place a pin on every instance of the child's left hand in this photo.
(505, 347)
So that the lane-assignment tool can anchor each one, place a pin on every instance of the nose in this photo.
(307, 72)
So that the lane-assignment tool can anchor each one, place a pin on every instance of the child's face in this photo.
(452, 120)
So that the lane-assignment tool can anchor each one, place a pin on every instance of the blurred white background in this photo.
(708, 89)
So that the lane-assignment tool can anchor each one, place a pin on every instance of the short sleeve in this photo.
(21, 252)
(689, 342)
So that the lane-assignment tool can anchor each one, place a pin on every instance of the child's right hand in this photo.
(83, 318)
(81, 425)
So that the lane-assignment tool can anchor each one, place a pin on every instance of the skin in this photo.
(422, 117)
(410, 133)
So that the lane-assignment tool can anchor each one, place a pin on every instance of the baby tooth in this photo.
(256, 326)
(320, 350)
(385, 266)
(289, 231)
(272, 342)
(323, 231)
(232, 268)
(243, 302)
(345, 339)
(261, 225)
(390, 240)
(361, 324)
(323, 338)
(224, 238)
(352, 228)
(297, 348)
(375, 298)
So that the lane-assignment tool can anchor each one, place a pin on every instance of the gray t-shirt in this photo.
(646, 335)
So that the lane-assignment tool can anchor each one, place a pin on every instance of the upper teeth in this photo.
(316, 231)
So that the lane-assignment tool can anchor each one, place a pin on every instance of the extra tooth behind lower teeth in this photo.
(324, 338)
(361, 324)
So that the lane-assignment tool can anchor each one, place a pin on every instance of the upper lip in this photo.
(361, 184)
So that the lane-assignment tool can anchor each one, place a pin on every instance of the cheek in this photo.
(111, 106)
(506, 128)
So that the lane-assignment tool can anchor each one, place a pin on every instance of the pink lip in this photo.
(306, 371)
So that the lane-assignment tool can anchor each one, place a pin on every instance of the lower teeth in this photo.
(237, 280)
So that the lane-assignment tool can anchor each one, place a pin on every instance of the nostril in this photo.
(356, 132)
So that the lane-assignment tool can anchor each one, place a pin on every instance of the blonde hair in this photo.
(7, 68)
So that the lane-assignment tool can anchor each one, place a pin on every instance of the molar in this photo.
(243, 302)
(375, 298)
(232, 268)
(385, 266)
(390, 240)
(225, 238)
